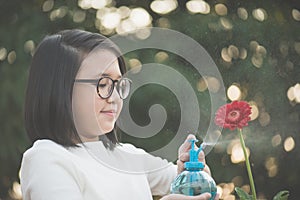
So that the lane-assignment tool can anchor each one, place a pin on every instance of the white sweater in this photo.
(50, 171)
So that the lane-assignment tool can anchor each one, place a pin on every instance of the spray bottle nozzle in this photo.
(194, 163)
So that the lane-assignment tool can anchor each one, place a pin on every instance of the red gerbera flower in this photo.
(233, 115)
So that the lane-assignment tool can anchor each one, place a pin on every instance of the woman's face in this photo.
(93, 115)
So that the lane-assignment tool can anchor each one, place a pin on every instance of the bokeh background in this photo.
(254, 43)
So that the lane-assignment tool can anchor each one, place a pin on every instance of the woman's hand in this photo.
(204, 196)
(184, 156)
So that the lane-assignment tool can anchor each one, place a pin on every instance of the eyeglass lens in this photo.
(106, 86)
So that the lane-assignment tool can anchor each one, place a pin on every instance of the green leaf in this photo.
(242, 194)
(282, 195)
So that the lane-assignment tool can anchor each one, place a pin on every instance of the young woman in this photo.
(74, 96)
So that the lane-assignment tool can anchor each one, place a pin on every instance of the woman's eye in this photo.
(102, 85)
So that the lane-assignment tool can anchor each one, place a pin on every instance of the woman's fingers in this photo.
(180, 166)
(186, 145)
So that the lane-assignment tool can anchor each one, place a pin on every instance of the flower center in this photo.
(233, 116)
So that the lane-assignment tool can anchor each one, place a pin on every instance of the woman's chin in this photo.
(106, 130)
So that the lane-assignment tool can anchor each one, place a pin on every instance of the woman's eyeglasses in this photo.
(105, 86)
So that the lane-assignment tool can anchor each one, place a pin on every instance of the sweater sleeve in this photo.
(160, 179)
(48, 174)
(160, 173)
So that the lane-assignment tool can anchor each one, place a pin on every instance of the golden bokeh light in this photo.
(230, 146)
(58, 13)
(296, 14)
(163, 22)
(125, 26)
(85, 4)
(257, 61)
(229, 186)
(3, 53)
(233, 51)
(270, 161)
(143, 33)
(235, 150)
(161, 56)
(123, 11)
(226, 24)
(253, 45)
(96, 4)
(102, 12)
(289, 144)
(210, 83)
(272, 172)
(79, 16)
(246, 188)
(11, 57)
(237, 154)
(225, 191)
(201, 85)
(140, 17)
(264, 118)
(297, 92)
(103, 30)
(111, 20)
(293, 93)
(225, 55)
(254, 110)
(163, 6)
(48, 5)
(243, 53)
(198, 6)
(261, 50)
(135, 65)
(290, 94)
(122, 20)
(260, 14)
(213, 84)
(242, 13)
(29, 47)
(272, 166)
(221, 9)
(276, 140)
(234, 93)
(259, 53)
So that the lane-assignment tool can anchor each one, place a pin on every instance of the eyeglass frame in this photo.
(97, 81)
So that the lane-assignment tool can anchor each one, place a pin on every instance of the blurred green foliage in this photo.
(24, 23)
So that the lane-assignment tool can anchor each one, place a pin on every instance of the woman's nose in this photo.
(113, 97)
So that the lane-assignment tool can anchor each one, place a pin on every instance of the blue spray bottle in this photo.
(193, 180)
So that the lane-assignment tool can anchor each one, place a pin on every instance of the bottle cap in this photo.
(194, 163)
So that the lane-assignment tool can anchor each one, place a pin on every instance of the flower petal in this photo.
(233, 115)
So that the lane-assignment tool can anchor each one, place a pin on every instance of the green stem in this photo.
(247, 164)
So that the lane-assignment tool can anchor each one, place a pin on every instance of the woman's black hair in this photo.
(48, 102)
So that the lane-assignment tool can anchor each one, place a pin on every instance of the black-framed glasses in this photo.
(105, 86)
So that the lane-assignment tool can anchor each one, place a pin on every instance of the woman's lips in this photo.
(110, 113)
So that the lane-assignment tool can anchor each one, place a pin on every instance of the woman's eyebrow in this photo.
(105, 74)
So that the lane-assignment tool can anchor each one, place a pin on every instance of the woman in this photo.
(74, 96)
